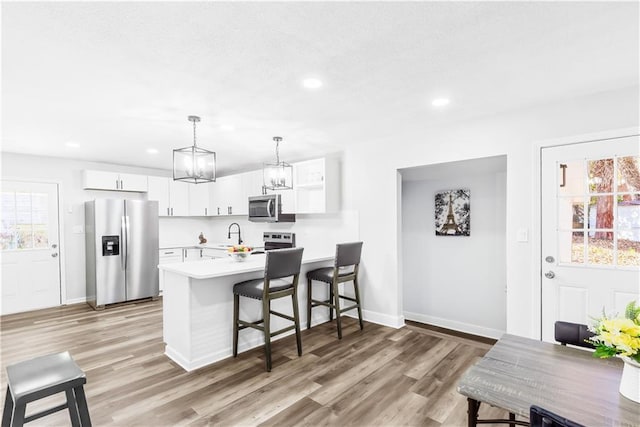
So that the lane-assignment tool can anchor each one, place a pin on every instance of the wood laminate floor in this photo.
(379, 376)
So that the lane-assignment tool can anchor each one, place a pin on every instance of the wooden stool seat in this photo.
(44, 376)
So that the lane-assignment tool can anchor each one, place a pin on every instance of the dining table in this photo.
(519, 372)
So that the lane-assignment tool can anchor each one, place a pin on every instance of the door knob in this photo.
(550, 259)
(549, 274)
(55, 254)
(54, 246)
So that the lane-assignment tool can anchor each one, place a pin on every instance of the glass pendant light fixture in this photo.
(194, 164)
(278, 175)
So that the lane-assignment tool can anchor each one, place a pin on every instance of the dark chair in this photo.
(281, 272)
(345, 269)
(41, 377)
(540, 417)
(573, 333)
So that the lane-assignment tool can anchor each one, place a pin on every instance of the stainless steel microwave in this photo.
(268, 208)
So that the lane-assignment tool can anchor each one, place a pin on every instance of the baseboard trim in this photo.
(455, 325)
(75, 301)
(395, 322)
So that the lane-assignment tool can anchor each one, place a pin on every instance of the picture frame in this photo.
(453, 213)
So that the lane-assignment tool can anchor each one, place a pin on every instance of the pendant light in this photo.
(194, 164)
(278, 175)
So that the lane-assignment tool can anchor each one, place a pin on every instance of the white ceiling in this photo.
(118, 78)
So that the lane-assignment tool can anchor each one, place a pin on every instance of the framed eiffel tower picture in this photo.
(453, 213)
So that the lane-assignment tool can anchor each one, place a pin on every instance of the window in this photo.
(25, 220)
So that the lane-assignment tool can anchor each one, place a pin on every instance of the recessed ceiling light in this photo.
(72, 144)
(312, 83)
(152, 151)
(440, 102)
(227, 128)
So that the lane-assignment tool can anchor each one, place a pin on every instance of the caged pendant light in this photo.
(194, 164)
(278, 175)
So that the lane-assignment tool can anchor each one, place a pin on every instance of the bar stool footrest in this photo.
(45, 413)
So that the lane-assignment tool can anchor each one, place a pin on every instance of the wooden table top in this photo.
(519, 372)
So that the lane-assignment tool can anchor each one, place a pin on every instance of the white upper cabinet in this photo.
(228, 196)
(199, 199)
(252, 183)
(316, 185)
(172, 196)
(178, 198)
(102, 180)
(159, 190)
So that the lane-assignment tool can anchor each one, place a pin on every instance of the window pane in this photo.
(8, 230)
(25, 236)
(23, 208)
(578, 215)
(628, 174)
(571, 247)
(629, 248)
(570, 213)
(600, 176)
(601, 212)
(628, 211)
(571, 178)
(600, 248)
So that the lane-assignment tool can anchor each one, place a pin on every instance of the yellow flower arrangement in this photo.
(615, 336)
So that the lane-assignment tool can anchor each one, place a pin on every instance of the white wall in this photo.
(456, 282)
(371, 178)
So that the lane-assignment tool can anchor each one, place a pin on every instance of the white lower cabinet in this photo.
(168, 256)
(210, 253)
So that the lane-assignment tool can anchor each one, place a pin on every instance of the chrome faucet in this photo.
(235, 232)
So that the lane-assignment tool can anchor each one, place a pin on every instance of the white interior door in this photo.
(29, 240)
(590, 230)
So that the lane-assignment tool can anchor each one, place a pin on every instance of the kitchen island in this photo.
(198, 306)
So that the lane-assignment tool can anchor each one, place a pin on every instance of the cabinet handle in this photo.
(205, 211)
(121, 185)
(168, 212)
(168, 253)
(117, 185)
(230, 210)
(218, 210)
(171, 211)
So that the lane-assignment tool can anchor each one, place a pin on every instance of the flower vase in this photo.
(630, 381)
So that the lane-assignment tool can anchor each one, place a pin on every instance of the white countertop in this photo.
(213, 245)
(207, 269)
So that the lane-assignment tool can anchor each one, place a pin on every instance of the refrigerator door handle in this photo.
(123, 243)
(126, 242)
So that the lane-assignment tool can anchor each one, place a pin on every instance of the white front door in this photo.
(590, 230)
(30, 246)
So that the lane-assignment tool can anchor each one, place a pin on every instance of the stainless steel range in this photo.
(278, 240)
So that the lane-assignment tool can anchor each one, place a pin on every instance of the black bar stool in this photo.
(280, 265)
(345, 269)
(42, 377)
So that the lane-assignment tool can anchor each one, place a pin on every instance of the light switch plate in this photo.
(522, 235)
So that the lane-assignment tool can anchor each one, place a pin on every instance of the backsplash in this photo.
(318, 232)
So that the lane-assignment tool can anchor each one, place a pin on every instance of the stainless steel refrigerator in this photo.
(121, 250)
